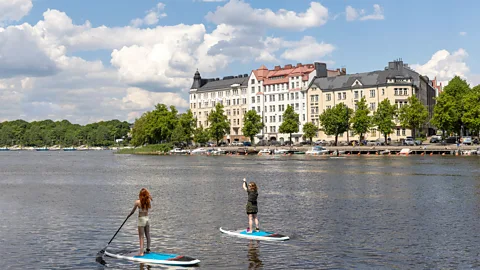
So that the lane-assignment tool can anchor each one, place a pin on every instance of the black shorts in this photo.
(252, 209)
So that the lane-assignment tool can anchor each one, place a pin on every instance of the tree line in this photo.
(64, 133)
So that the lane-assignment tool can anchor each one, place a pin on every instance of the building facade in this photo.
(271, 91)
(396, 83)
(231, 92)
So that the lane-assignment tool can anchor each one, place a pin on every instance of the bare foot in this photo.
(140, 254)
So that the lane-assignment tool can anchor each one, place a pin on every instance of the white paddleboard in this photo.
(156, 258)
(260, 235)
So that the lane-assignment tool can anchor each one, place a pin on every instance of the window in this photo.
(383, 91)
(296, 95)
(279, 118)
(297, 106)
(297, 84)
(329, 97)
(339, 96)
(259, 89)
(253, 99)
(329, 107)
(253, 90)
(373, 132)
(199, 105)
(273, 97)
(244, 101)
(303, 106)
(274, 118)
(303, 117)
(258, 99)
(253, 108)
(396, 91)
(234, 112)
(372, 106)
(403, 132)
(398, 132)
(344, 95)
(279, 108)
(291, 96)
(293, 85)
(265, 119)
(194, 105)
(372, 93)
(312, 99)
(253, 81)
(316, 98)
(405, 91)
(199, 113)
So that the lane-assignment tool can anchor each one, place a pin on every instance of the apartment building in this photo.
(396, 83)
(271, 91)
(231, 92)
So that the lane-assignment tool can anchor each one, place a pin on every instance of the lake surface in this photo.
(58, 209)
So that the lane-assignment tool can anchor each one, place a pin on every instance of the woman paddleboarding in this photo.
(143, 204)
(252, 208)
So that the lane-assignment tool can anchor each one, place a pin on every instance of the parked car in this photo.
(467, 140)
(306, 143)
(247, 144)
(320, 142)
(435, 139)
(262, 143)
(409, 141)
(236, 143)
(451, 140)
(475, 141)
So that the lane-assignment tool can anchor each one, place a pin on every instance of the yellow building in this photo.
(396, 83)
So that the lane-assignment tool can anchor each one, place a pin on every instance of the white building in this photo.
(270, 91)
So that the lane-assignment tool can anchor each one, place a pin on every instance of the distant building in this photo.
(396, 83)
(270, 91)
(231, 92)
(438, 87)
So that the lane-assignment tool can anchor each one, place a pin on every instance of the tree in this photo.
(187, 121)
(310, 130)
(445, 113)
(334, 121)
(457, 89)
(219, 124)
(383, 118)
(200, 135)
(361, 121)
(413, 115)
(252, 124)
(290, 123)
(471, 117)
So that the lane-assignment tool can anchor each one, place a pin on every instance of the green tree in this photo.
(201, 136)
(445, 113)
(252, 124)
(471, 117)
(334, 121)
(187, 121)
(310, 130)
(361, 121)
(383, 118)
(219, 124)
(413, 115)
(457, 89)
(290, 123)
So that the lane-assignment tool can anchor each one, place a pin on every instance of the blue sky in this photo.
(126, 66)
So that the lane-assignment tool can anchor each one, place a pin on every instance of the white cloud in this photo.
(152, 17)
(237, 12)
(353, 14)
(308, 49)
(462, 33)
(445, 65)
(14, 10)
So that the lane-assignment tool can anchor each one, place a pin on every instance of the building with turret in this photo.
(231, 92)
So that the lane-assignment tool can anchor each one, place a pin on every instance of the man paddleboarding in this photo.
(252, 208)
(143, 204)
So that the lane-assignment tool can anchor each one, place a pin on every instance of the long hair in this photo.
(144, 199)
(252, 186)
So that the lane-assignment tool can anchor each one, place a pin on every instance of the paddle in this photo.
(100, 254)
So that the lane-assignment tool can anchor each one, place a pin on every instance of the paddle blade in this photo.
(99, 258)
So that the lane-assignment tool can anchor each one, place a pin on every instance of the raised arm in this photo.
(245, 185)
(134, 208)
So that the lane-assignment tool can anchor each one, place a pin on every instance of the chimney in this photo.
(321, 70)
(344, 71)
(277, 67)
(299, 65)
(288, 66)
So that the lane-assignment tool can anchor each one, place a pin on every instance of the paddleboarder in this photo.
(252, 208)
(143, 204)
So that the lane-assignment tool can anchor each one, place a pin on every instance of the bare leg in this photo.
(147, 235)
(141, 232)
(250, 222)
(256, 221)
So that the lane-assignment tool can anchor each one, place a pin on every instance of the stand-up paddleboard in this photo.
(156, 258)
(260, 235)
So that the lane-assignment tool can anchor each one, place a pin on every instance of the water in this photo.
(58, 209)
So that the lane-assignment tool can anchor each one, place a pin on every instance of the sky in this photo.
(87, 61)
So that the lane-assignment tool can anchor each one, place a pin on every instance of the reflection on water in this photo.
(59, 209)
(254, 255)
